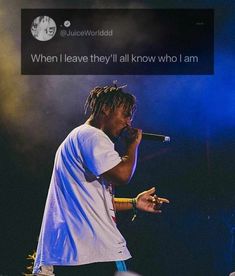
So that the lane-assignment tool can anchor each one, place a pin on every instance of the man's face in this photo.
(116, 121)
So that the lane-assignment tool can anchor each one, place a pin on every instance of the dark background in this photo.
(194, 234)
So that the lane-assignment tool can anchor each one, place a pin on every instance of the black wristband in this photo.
(134, 201)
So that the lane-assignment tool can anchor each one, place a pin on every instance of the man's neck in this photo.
(95, 122)
(98, 122)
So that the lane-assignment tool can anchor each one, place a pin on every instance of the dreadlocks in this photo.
(112, 97)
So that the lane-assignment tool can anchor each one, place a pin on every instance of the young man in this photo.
(79, 225)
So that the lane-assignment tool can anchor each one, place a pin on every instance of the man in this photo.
(79, 219)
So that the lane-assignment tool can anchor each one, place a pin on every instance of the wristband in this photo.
(134, 201)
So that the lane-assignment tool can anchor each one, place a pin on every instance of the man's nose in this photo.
(128, 121)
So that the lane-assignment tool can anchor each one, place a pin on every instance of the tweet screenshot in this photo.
(117, 41)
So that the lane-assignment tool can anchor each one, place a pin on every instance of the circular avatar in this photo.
(43, 28)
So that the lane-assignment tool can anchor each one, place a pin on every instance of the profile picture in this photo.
(43, 28)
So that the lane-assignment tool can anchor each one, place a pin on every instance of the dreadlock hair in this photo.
(112, 97)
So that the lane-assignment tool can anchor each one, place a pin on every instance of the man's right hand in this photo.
(132, 135)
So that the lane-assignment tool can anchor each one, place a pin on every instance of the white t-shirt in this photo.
(78, 225)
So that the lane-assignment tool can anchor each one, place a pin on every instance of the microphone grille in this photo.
(167, 139)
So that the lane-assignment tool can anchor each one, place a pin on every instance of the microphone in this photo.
(155, 137)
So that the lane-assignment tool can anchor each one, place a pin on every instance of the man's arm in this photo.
(123, 204)
(122, 173)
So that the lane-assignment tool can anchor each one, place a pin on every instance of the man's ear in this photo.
(106, 110)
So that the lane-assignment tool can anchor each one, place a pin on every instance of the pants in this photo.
(101, 269)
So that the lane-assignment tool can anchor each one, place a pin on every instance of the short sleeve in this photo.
(99, 153)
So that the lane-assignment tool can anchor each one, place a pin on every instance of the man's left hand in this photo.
(148, 201)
